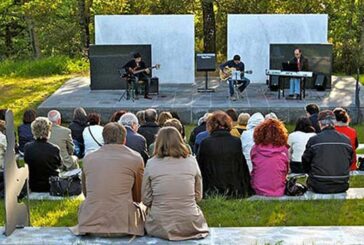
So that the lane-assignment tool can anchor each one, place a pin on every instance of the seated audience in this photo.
(61, 137)
(112, 180)
(116, 116)
(3, 144)
(328, 157)
(171, 123)
(134, 140)
(201, 126)
(233, 114)
(176, 116)
(247, 140)
(43, 158)
(220, 157)
(312, 111)
(200, 137)
(24, 131)
(342, 126)
(270, 158)
(141, 117)
(163, 117)
(92, 134)
(270, 115)
(150, 129)
(297, 141)
(240, 126)
(172, 185)
(78, 124)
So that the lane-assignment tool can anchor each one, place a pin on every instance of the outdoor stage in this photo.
(191, 105)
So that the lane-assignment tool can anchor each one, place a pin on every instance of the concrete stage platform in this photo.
(191, 105)
(224, 236)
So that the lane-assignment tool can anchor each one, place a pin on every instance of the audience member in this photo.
(220, 157)
(342, 126)
(270, 158)
(134, 140)
(297, 141)
(2, 114)
(328, 157)
(43, 158)
(61, 137)
(240, 127)
(200, 128)
(24, 131)
(141, 117)
(112, 179)
(312, 111)
(78, 124)
(92, 134)
(176, 116)
(172, 185)
(233, 114)
(163, 117)
(115, 117)
(247, 140)
(270, 115)
(150, 129)
(3, 144)
(171, 123)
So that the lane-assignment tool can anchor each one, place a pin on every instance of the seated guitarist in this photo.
(239, 66)
(133, 66)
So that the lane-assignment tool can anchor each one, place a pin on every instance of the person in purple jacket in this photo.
(270, 158)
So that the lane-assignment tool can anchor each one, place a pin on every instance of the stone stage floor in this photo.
(191, 104)
(317, 235)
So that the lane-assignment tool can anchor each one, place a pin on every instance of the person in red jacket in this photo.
(342, 126)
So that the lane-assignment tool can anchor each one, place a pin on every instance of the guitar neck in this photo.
(143, 70)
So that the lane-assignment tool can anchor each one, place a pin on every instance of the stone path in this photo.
(224, 236)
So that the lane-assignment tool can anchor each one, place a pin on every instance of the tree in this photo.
(84, 9)
(209, 28)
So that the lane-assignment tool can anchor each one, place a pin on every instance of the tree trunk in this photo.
(8, 41)
(33, 37)
(84, 8)
(209, 27)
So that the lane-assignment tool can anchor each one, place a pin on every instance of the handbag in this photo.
(361, 164)
(67, 185)
(293, 188)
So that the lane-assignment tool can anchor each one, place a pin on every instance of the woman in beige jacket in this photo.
(171, 186)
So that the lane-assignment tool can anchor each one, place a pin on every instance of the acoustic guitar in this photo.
(229, 71)
(130, 74)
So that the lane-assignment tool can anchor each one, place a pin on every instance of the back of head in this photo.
(255, 120)
(41, 128)
(326, 119)
(233, 114)
(29, 116)
(219, 120)
(312, 109)
(114, 133)
(128, 119)
(163, 117)
(271, 115)
(271, 132)
(243, 119)
(80, 116)
(169, 143)
(94, 119)
(151, 115)
(304, 124)
(341, 116)
(141, 117)
(116, 116)
(54, 116)
(174, 123)
(2, 114)
(2, 126)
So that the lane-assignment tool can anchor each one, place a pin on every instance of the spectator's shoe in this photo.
(147, 97)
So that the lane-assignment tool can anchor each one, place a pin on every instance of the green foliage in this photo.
(43, 67)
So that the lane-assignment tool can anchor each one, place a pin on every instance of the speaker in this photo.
(154, 85)
(206, 62)
(320, 82)
(273, 83)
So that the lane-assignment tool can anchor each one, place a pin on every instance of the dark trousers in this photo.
(296, 167)
(134, 83)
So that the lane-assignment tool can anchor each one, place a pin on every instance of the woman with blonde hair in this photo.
(171, 187)
(163, 117)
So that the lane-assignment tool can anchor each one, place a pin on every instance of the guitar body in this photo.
(228, 71)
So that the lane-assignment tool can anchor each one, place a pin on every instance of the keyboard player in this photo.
(295, 82)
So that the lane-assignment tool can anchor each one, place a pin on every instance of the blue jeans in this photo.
(242, 84)
(294, 86)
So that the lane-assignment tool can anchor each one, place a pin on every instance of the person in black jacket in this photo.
(150, 129)
(134, 140)
(327, 158)
(42, 157)
(312, 111)
(77, 126)
(221, 160)
(24, 131)
(200, 128)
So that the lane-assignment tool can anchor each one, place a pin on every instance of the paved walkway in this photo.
(223, 236)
